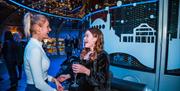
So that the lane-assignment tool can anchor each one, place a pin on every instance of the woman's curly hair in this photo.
(99, 45)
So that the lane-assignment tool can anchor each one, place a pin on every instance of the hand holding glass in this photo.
(75, 75)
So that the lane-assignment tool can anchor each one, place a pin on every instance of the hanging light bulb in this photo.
(119, 3)
(96, 6)
(134, 4)
(107, 8)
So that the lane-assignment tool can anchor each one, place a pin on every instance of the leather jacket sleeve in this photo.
(99, 70)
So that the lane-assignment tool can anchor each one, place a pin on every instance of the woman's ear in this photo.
(39, 30)
(36, 28)
(94, 39)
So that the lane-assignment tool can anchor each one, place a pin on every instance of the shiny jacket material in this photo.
(98, 80)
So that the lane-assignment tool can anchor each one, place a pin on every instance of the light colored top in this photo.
(36, 65)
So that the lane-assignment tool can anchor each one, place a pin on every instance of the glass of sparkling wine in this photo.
(75, 77)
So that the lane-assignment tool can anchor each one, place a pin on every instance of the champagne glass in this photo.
(75, 77)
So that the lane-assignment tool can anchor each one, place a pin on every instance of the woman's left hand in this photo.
(63, 77)
(78, 68)
(59, 87)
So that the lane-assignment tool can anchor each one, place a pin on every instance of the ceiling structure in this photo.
(6, 10)
(66, 9)
(12, 11)
(73, 9)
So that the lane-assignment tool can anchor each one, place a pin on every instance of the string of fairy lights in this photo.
(69, 9)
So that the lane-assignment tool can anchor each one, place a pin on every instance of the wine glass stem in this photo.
(75, 78)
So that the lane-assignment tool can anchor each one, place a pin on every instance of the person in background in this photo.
(36, 62)
(9, 52)
(19, 53)
(93, 70)
(75, 45)
(68, 46)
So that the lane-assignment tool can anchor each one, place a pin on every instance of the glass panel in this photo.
(135, 24)
(129, 26)
(173, 40)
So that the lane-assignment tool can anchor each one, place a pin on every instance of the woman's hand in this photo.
(63, 77)
(59, 87)
(78, 68)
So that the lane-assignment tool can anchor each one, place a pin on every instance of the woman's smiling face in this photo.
(45, 29)
(89, 40)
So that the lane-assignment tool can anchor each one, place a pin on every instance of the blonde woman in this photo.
(36, 63)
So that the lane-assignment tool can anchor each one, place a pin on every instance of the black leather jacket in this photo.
(98, 80)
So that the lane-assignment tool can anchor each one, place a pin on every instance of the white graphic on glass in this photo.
(140, 44)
